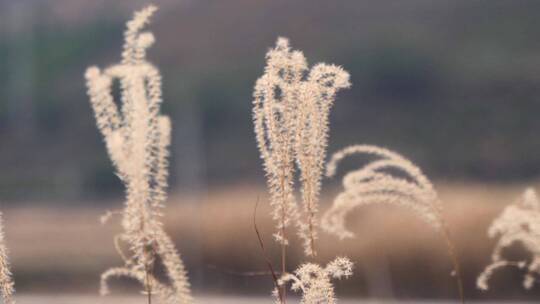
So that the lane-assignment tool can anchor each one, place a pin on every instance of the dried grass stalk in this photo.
(389, 179)
(137, 137)
(518, 223)
(375, 183)
(290, 112)
(314, 281)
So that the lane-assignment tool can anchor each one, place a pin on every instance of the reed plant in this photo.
(388, 179)
(517, 224)
(290, 112)
(137, 138)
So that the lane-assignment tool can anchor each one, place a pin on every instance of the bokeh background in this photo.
(453, 85)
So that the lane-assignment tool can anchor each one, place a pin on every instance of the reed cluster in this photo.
(291, 108)
(290, 112)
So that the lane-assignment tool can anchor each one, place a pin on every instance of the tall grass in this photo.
(375, 183)
(389, 179)
(137, 138)
(518, 223)
(291, 108)
(290, 113)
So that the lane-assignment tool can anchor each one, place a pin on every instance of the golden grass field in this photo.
(395, 254)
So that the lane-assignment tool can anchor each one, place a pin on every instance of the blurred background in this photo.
(453, 85)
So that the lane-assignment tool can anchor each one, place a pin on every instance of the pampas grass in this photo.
(137, 139)
(375, 183)
(389, 179)
(518, 223)
(290, 112)
(314, 281)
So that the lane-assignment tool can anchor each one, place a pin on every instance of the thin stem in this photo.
(148, 286)
(311, 215)
(283, 235)
(148, 270)
(118, 247)
(455, 260)
(268, 263)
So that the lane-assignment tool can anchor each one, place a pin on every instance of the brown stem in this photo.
(268, 263)
(311, 238)
(283, 245)
(455, 261)
(311, 215)
(148, 269)
(148, 286)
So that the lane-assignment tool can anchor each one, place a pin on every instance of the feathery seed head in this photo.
(314, 281)
(374, 183)
(145, 40)
(291, 108)
(518, 223)
(137, 138)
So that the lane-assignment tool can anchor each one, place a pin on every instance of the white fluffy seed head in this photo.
(137, 138)
(145, 40)
(518, 223)
(314, 281)
(291, 108)
(376, 183)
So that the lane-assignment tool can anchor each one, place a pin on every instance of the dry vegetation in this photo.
(376, 183)
(518, 223)
(290, 113)
(81, 246)
(291, 116)
(137, 137)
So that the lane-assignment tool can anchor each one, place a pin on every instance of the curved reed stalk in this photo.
(137, 138)
(377, 183)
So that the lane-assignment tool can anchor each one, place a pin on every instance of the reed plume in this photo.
(290, 113)
(518, 223)
(314, 281)
(7, 286)
(376, 183)
(316, 97)
(137, 138)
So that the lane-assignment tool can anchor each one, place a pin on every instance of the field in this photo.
(396, 256)
(43, 299)
(181, 152)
